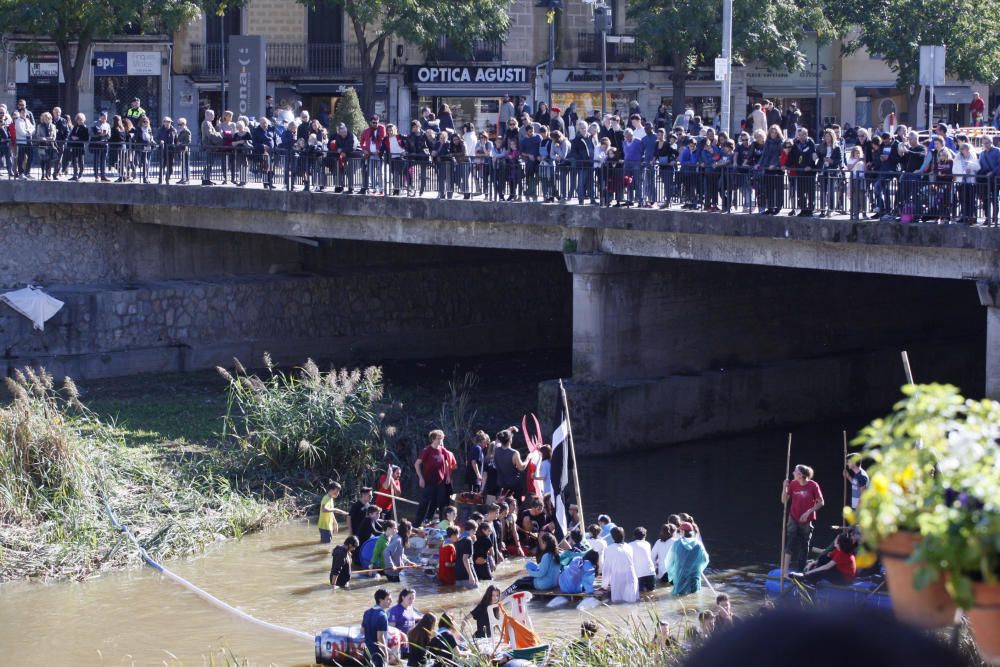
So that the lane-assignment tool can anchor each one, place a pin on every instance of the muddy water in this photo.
(137, 618)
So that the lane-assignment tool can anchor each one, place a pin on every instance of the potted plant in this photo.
(903, 496)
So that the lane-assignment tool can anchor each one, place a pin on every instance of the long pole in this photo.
(572, 455)
(818, 101)
(727, 53)
(552, 54)
(845, 482)
(222, 67)
(784, 512)
(604, 74)
(906, 367)
(930, 109)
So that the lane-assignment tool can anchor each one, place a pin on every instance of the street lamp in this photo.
(819, 102)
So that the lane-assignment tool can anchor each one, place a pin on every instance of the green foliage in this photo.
(59, 464)
(937, 472)
(688, 33)
(349, 113)
(896, 29)
(307, 420)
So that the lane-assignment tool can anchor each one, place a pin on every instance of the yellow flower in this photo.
(906, 476)
(880, 484)
(849, 516)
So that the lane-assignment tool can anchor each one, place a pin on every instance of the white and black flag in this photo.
(560, 472)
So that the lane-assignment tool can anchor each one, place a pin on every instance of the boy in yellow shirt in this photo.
(327, 522)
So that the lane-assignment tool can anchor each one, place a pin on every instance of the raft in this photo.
(860, 593)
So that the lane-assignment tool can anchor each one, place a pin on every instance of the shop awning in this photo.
(952, 94)
(800, 92)
(445, 90)
(592, 87)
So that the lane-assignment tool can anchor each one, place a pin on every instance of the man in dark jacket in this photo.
(989, 177)
(62, 134)
(265, 140)
(347, 146)
(418, 150)
(803, 160)
(791, 119)
(581, 155)
(773, 114)
(911, 162)
(165, 138)
(530, 148)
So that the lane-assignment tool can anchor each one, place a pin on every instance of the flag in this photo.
(560, 472)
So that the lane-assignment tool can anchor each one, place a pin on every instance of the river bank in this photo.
(153, 448)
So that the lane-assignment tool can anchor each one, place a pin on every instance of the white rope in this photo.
(201, 592)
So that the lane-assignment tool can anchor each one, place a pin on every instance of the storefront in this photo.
(120, 76)
(473, 93)
(583, 86)
(37, 80)
(784, 88)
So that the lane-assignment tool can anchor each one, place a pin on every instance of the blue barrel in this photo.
(772, 587)
(366, 551)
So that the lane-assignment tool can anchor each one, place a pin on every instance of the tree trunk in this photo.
(72, 65)
(678, 78)
(369, 78)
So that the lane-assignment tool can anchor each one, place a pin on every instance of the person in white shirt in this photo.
(469, 137)
(642, 558)
(618, 572)
(596, 543)
(661, 551)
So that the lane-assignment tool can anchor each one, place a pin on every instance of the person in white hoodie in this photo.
(24, 129)
(642, 557)
(661, 551)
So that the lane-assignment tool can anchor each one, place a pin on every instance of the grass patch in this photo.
(61, 466)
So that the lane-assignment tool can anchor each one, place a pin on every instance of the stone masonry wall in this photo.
(144, 298)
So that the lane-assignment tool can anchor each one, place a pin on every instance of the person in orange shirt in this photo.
(446, 557)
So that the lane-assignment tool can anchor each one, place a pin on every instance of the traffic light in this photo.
(602, 19)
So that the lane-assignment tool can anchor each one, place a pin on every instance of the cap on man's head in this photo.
(135, 99)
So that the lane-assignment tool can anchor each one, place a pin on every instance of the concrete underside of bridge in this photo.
(680, 328)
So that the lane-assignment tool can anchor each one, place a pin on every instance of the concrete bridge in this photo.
(681, 324)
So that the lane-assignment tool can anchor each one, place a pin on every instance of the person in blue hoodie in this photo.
(544, 572)
(264, 142)
(689, 560)
(606, 524)
(632, 154)
(689, 174)
(579, 575)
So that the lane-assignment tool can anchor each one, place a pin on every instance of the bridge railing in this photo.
(907, 197)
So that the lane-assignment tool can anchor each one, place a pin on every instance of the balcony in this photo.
(286, 60)
(481, 50)
(589, 48)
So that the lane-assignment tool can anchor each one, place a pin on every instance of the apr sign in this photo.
(110, 63)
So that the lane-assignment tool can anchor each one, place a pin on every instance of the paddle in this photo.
(383, 569)
(784, 512)
(399, 498)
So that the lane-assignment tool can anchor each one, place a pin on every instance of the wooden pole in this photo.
(399, 498)
(784, 512)
(392, 493)
(572, 454)
(845, 482)
(906, 367)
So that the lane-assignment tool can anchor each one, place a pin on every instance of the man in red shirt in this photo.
(977, 109)
(806, 498)
(839, 568)
(391, 487)
(434, 467)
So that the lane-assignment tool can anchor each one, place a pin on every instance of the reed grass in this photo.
(61, 466)
(306, 420)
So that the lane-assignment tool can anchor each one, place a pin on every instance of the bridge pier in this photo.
(675, 350)
(989, 296)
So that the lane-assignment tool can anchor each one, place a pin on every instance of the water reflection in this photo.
(135, 618)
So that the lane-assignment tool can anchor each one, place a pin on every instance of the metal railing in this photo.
(589, 50)
(286, 59)
(895, 196)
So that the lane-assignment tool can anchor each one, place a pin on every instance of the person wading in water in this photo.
(806, 498)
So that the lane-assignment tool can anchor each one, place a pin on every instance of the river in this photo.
(135, 617)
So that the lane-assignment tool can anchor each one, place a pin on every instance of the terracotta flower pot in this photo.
(985, 620)
(929, 608)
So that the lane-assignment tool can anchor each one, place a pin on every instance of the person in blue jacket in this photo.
(647, 182)
(689, 560)
(544, 572)
(689, 174)
(579, 575)
(606, 524)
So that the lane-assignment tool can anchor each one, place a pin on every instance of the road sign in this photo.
(932, 59)
(721, 67)
(620, 39)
